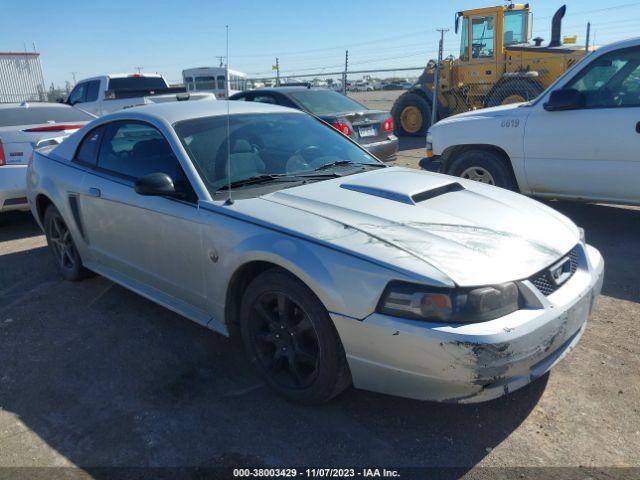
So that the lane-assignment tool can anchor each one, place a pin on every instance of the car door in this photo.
(590, 152)
(149, 242)
(91, 103)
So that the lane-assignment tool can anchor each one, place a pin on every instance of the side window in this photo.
(78, 94)
(88, 150)
(93, 88)
(482, 36)
(612, 80)
(135, 149)
(262, 98)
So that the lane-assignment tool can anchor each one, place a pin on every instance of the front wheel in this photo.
(291, 340)
(484, 166)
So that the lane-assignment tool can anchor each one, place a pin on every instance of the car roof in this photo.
(172, 112)
(630, 42)
(285, 89)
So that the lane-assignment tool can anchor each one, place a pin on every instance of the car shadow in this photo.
(615, 231)
(15, 225)
(107, 378)
(411, 143)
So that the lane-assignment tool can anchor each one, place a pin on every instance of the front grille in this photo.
(543, 280)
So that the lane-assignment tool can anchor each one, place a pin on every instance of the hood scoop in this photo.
(409, 198)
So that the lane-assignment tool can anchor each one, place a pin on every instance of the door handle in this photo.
(94, 192)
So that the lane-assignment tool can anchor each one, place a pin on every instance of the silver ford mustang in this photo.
(332, 267)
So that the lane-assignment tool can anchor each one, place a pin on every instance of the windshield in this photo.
(137, 83)
(264, 144)
(325, 102)
(33, 115)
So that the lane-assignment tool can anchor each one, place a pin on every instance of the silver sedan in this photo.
(333, 268)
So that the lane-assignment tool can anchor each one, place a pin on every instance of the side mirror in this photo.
(156, 185)
(565, 99)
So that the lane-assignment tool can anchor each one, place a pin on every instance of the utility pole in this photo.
(139, 69)
(344, 75)
(434, 106)
(277, 72)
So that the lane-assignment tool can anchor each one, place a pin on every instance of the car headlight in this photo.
(458, 305)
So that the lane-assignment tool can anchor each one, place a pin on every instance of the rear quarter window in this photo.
(88, 150)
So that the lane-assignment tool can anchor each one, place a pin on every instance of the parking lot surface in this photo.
(93, 375)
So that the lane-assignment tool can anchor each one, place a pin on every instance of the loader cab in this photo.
(484, 32)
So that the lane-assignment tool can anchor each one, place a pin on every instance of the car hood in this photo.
(492, 112)
(474, 234)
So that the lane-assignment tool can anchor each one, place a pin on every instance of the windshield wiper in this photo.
(264, 178)
(347, 162)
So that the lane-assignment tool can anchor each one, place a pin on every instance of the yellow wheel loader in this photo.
(497, 66)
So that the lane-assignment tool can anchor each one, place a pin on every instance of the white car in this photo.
(332, 267)
(24, 127)
(578, 140)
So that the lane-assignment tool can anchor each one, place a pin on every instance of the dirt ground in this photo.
(93, 375)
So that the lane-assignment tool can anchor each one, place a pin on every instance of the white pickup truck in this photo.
(580, 139)
(109, 93)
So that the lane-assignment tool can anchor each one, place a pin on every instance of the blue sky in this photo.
(92, 38)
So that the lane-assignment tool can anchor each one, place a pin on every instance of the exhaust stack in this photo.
(556, 27)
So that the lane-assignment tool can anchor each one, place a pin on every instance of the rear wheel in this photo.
(290, 339)
(484, 166)
(62, 247)
(513, 91)
(411, 115)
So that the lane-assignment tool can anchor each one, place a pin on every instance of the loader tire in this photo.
(513, 91)
(411, 115)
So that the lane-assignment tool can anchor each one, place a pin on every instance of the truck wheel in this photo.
(291, 340)
(513, 91)
(484, 166)
(411, 115)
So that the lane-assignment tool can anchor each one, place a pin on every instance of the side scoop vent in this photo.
(436, 192)
(410, 199)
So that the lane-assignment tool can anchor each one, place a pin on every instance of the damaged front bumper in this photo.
(466, 363)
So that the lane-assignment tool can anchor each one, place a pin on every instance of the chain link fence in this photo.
(376, 89)
(467, 86)
(464, 85)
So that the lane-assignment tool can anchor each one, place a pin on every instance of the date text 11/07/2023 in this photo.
(315, 473)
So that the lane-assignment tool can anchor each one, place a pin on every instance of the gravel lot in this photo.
(93, 375)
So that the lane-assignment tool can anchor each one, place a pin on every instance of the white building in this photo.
(21, 77)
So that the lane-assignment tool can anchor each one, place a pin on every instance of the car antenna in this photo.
(226, 84)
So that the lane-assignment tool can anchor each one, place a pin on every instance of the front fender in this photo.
(344, 283)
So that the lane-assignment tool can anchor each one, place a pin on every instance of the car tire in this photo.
(411, 115)
(513, 91)
(485, 166)
(290, 339)
(62, 246)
